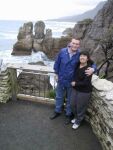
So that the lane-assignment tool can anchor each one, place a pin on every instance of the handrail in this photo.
(29, 69)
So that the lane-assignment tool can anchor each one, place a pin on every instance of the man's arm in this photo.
(91, 70)
(83, 83)
(57, 66)
(57, 63)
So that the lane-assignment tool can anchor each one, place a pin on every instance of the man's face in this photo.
(74, 45)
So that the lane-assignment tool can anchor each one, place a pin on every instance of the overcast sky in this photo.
(43, 9)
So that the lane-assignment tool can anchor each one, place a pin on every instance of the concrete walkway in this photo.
(26, 126)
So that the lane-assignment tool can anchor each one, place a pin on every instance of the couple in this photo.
(73, 74)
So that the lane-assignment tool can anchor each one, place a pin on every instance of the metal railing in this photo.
(32, 82)
(104, 68)
(36, 84)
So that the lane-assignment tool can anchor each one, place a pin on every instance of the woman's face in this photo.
(83, 59)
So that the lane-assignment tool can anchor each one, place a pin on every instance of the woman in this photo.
(82, 89)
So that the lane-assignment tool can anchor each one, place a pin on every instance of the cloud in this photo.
(43, 9)
(87, 2)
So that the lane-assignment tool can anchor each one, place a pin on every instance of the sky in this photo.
(43, 9)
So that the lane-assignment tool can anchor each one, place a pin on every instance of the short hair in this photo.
(76, 38)
(86, 53)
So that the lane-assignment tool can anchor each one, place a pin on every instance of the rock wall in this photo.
(100, 111)
(93, 32)
(5, 87)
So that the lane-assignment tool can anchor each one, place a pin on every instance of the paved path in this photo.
(26, 126)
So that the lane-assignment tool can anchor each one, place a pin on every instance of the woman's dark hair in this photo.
(86, 53)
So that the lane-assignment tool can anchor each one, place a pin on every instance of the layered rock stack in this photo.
(100, 111)
(39, 29)
(5, 87)
(24, 44)
(41, 40)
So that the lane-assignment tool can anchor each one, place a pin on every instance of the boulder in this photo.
(39, 30)
(68, 32)
(25, 40)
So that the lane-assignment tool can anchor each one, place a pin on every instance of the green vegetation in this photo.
(86, 21)
(51, 94)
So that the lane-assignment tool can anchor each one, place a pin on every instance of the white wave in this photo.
(34, 57)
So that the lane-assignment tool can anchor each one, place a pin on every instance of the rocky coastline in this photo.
(95, 35)
(40, 40)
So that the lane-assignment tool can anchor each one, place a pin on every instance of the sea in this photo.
(8, 37)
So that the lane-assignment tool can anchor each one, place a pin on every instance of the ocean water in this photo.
(8, 37)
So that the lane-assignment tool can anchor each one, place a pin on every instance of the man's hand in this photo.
(89, 71)
(56, 77)
(73, 83)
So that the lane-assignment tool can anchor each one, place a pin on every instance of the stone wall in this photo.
(100, 111)
(5, 87)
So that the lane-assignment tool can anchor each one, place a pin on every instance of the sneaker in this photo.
(73, 121)
(68, 120)
(75, 126)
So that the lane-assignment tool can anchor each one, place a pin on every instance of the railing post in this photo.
(13, 77)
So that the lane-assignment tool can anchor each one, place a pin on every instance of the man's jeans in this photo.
(60, 94)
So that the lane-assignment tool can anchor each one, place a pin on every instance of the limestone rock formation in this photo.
(68, 32)
(42, 40)
(47, 42)
(25, 40)
(51, 47)
(39, 30)
(93, 32)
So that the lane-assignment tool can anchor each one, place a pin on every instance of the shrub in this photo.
(51, 94)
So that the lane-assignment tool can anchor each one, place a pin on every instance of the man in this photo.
(64, 67)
